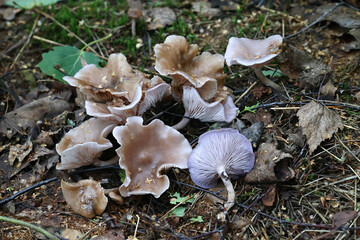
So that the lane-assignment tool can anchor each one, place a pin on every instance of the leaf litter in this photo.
(302, 172)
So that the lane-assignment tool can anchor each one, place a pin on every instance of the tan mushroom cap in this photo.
(147, 150)
(115, 80)
(196, 107)
(84, 144)
(249, 52)
(146, 95)
(176, 58)
(85, 197)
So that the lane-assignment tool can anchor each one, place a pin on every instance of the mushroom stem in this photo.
(133, 27)
(181, 124)
(230, 189)
(267, 81)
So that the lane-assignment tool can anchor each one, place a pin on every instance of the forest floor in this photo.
(313, 191)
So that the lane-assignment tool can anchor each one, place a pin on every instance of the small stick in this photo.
(246, 92)
(48, 40)
(31, 226)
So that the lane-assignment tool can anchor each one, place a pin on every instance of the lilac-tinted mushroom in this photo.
(223, 153)
(254, 54)
(221, 109)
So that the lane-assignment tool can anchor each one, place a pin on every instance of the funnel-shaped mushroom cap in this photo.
(218, 151)
(249, 52)
(147, 150)
(146, 95)
(85, 197)
(84, 144)
(116, 80)
(196, 107)
(175, 57)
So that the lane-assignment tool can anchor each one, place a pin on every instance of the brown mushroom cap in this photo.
(147, 150)
(176, 58)
(84, 144)
(85, 197)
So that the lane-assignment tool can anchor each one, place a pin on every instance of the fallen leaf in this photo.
(357, 96)
(318, 123)
(205, 9)
(71, 234)
(68, 59)
(344, 16)
(342, 218)
(329, 89)
(354, 45)
(19, 152)
(355, 33)
(269, 199)
(270, 166)
(238, 223)
(26, 117)
(159, 17)
(8, 14)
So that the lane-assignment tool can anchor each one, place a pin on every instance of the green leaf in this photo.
(270, 73)
(66, 58)
(249, 109)
(197, 219)
(177, 212)
(122, 175)
(175, 198)
(27, 4)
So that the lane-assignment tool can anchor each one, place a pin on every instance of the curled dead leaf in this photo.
(270, 166)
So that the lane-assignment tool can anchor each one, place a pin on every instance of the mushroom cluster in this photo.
(116, 96)
(196, 79)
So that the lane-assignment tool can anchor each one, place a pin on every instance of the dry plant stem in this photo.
(181, 124)
(267, 81)
(31, 226)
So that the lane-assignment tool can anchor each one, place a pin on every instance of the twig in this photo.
(66, 29)
(31, 226)
(316, 21)
(9, 89)
(47, 40)
(246, 92)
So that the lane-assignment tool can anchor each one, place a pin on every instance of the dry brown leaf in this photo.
(329, 89)
(269, 199)
(342, 218)
(318, 123)
(160, 17)
(111, 234)
(270, 166)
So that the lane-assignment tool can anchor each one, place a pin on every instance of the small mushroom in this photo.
(223, 109)
(179, 60)
(134, 13)
(223, 154)
(145, 151)
(85, 197)
(255, 54)
(84, 145)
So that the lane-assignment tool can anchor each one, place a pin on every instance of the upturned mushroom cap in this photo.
(249, 52)
(176, 58)
(146, 95)
(84, 144)
(196, 107)
(218, 151)
(147, 150)
(116, 80)
(85, 197)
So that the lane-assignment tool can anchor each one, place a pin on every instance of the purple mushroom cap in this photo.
(218, 151)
